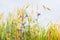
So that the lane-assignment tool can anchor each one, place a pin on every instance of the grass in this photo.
(15, 28)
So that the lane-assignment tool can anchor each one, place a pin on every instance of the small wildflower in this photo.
(20, 36)
(23, 23)
(38, 14)
(19, 30)
(20, 16)
(26, 15)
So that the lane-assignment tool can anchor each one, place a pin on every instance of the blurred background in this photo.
(49, 9)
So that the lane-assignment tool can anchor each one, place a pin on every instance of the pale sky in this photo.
(46, 16)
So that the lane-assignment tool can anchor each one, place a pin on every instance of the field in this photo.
(16, 28)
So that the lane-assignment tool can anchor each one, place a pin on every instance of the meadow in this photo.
(16, 28)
